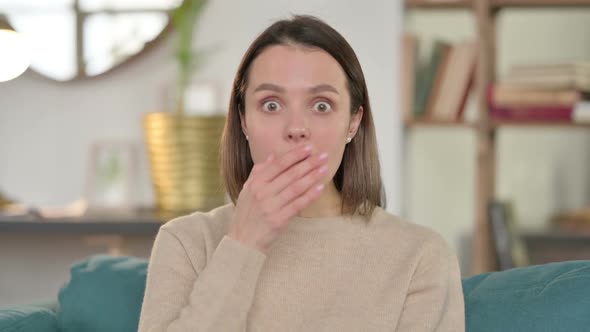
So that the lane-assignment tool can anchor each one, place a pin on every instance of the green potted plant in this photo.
(183, 147)
(184, 19)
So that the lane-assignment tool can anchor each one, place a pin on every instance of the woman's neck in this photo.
(329, 204)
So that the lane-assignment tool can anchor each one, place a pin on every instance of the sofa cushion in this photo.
(104, 294)
(550, 297)
(28, 318)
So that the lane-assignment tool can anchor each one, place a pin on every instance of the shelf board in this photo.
(494, 124)
(496, 4)
(434, 4)
(538, 3)
(497, 124)
(431, 123)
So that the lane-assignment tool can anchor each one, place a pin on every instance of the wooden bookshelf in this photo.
(484, 14)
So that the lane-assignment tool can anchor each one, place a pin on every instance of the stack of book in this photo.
(577, 221)
(543, 93)
(437, 89)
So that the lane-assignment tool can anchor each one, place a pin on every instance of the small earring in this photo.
(348, 140)
(246, 137)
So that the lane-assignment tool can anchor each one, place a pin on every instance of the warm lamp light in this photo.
(15, 57)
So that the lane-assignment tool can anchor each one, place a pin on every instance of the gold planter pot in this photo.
(184, 158)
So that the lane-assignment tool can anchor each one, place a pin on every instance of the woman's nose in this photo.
(297, 134)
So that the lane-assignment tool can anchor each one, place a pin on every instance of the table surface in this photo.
(554, 234)
(140, 222)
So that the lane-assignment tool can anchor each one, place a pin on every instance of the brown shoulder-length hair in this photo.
(358, 179)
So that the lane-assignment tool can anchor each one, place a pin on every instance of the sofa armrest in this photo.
(39, 317)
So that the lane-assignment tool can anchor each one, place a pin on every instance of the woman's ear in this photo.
(355, 122)
(243, 121)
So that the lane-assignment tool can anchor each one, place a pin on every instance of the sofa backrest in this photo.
(551, 297)
(38, 318)
(105, 294)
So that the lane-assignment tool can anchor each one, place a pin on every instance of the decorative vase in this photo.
(184, 156)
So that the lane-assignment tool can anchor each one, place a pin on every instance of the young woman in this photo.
(305, 244)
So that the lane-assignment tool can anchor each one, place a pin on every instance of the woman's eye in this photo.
(271, 106)
(322, 107)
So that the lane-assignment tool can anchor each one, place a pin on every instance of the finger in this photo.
(293, 174)
(261, 165)
(280, 164)
(297, 188)
(298, 204)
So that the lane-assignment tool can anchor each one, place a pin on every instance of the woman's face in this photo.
(294, 96)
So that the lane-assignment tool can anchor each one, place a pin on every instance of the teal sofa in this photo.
(105, 294)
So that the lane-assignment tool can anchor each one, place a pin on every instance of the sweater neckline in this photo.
(326, 223)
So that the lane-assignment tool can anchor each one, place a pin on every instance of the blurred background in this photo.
(111, 111)
(74, 126)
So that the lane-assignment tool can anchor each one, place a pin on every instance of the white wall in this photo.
(46, 128)
(440, 162)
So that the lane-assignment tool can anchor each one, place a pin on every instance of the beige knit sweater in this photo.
(321, 274)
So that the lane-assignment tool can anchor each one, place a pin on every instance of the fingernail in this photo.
(319, 187)
(323, 156)
(323, 169)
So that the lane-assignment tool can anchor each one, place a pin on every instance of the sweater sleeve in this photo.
(434, 300)
(179, 297)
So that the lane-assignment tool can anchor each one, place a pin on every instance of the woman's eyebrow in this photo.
(279, 89)
(271, 87)
(323, 88)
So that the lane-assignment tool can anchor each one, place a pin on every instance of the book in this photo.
(577, 68)
(426, 77)
(573, 75)
(510, 249)
(409, 68)
(507, 96)
(457, 82)
(525, 113)
(533, 114)
(577, 221)
(436, 92)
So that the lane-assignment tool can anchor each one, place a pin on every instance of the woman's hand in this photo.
(277, 190)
